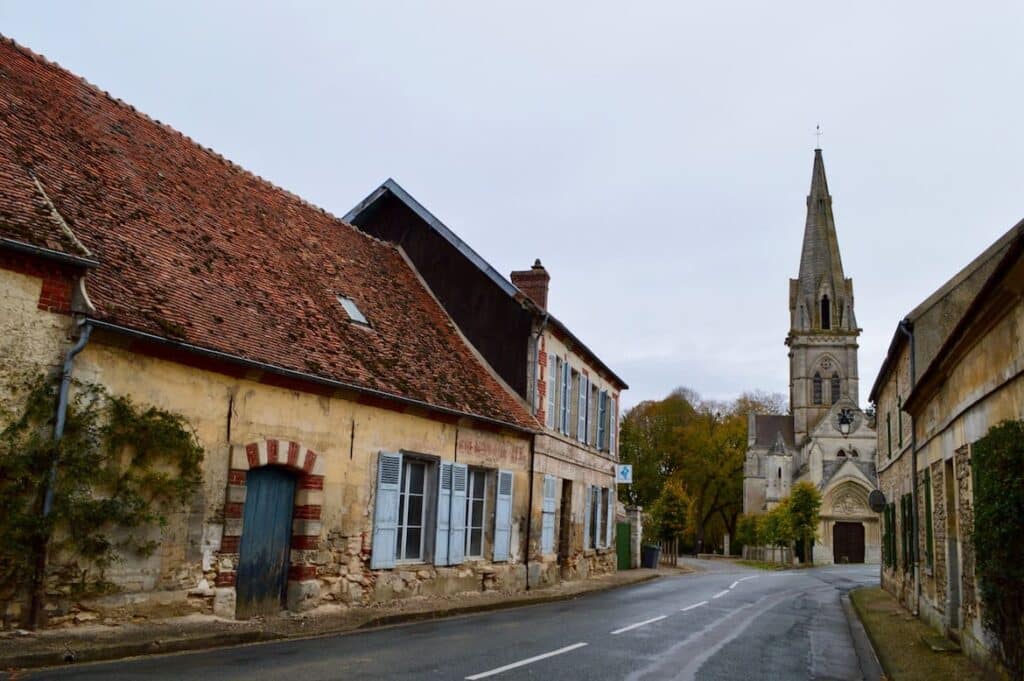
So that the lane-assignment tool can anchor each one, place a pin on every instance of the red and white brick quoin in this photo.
(306, 525)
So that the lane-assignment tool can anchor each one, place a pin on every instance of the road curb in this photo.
(117, 651)
(870, 667)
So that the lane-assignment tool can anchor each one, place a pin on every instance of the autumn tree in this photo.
(804, 504)
(700, 444)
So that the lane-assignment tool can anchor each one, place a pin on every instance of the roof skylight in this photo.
(353, 311)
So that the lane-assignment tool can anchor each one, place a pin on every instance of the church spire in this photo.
(823, 331)
(822, 297)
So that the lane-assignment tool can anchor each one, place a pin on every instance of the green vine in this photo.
(997, 466)
(121, 469)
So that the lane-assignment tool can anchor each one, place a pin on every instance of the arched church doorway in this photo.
(848, 543)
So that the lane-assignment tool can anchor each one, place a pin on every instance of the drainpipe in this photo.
(533, 439)
(907, 328)
(51, 482)
(529, 514)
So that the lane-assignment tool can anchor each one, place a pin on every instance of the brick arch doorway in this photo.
(264, 552)
(286, 480)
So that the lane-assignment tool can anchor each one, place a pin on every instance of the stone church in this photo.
(826, 438)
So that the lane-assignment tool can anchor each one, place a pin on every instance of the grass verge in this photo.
(897, 638)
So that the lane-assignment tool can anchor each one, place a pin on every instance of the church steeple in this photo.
(821, 298)
(823, 329)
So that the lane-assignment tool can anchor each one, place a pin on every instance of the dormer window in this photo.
(353, 311)
(826, 313)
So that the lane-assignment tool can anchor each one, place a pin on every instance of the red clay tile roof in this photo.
(194, 248)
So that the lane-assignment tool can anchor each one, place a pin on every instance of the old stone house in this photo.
(950, 374)
(826, 438)
(348, 425)
(571, 392)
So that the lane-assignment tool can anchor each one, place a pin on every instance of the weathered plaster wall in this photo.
(33, 336)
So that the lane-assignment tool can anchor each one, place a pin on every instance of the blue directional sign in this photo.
(624, 474)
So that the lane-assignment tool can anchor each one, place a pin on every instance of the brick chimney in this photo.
(534, 283)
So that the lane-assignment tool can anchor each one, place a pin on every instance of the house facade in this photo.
(358, 446)
(950, 375)
(826, 439)
(573, 394)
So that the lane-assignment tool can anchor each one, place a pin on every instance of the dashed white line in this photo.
(734, 585)
(529, 660)
(639, 624)
(720, 594)
(695, 605)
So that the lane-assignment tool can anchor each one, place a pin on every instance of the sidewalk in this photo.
(898, 640)
(92, 642)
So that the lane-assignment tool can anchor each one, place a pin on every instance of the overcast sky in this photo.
(655, 156)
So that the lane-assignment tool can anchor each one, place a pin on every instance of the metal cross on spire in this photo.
(817, 135)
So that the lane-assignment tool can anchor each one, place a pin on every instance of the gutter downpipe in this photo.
(533, 440)
(51, 482)
(907, 328)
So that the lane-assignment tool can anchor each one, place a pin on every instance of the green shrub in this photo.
(997, 464)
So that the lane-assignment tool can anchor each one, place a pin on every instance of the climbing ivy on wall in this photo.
(122, 469)
(997, 466)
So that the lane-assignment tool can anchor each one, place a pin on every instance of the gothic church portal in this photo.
(826, 438)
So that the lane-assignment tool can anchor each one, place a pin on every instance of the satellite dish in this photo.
(876, 500)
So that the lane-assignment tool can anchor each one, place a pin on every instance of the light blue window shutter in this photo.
(547, 531)
(552, 384)
(602, 418)
(385, 516)
(581, 410)
(457, 531)
(563, 395)
(503, 517)
(611, 516)
(444, 509)
(613, 426)
(587, 499)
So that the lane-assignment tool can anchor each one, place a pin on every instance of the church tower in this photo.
(823, 330)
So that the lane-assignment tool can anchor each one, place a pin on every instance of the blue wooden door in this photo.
(262, 574)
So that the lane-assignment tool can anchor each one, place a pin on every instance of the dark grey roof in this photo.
(769, 426)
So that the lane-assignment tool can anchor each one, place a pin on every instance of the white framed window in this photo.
(411, 512)
(547, 527)
(581, 407)
(592, 399)
(476, 509)
(595, 516)
(602, 420)
(613, 425)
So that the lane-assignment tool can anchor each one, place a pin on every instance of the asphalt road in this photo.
(726, 623)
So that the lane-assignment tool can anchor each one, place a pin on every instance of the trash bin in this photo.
(649, 556)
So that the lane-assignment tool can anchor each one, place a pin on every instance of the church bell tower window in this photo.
(826, 313)
(835, 388)
(817, 389)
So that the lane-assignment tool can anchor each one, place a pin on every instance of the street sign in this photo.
(876, 500)
(623, 474)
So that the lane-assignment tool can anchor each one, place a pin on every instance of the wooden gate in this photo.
(265, 547)
(848, 543)
(622, 546)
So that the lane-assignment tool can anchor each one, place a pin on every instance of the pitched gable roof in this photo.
(391, 188)
(194, 248)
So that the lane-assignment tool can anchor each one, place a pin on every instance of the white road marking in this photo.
(639, 624)
(720, 594)
(733, 585)
(743, 579)
(695, 605)
(529, 660)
